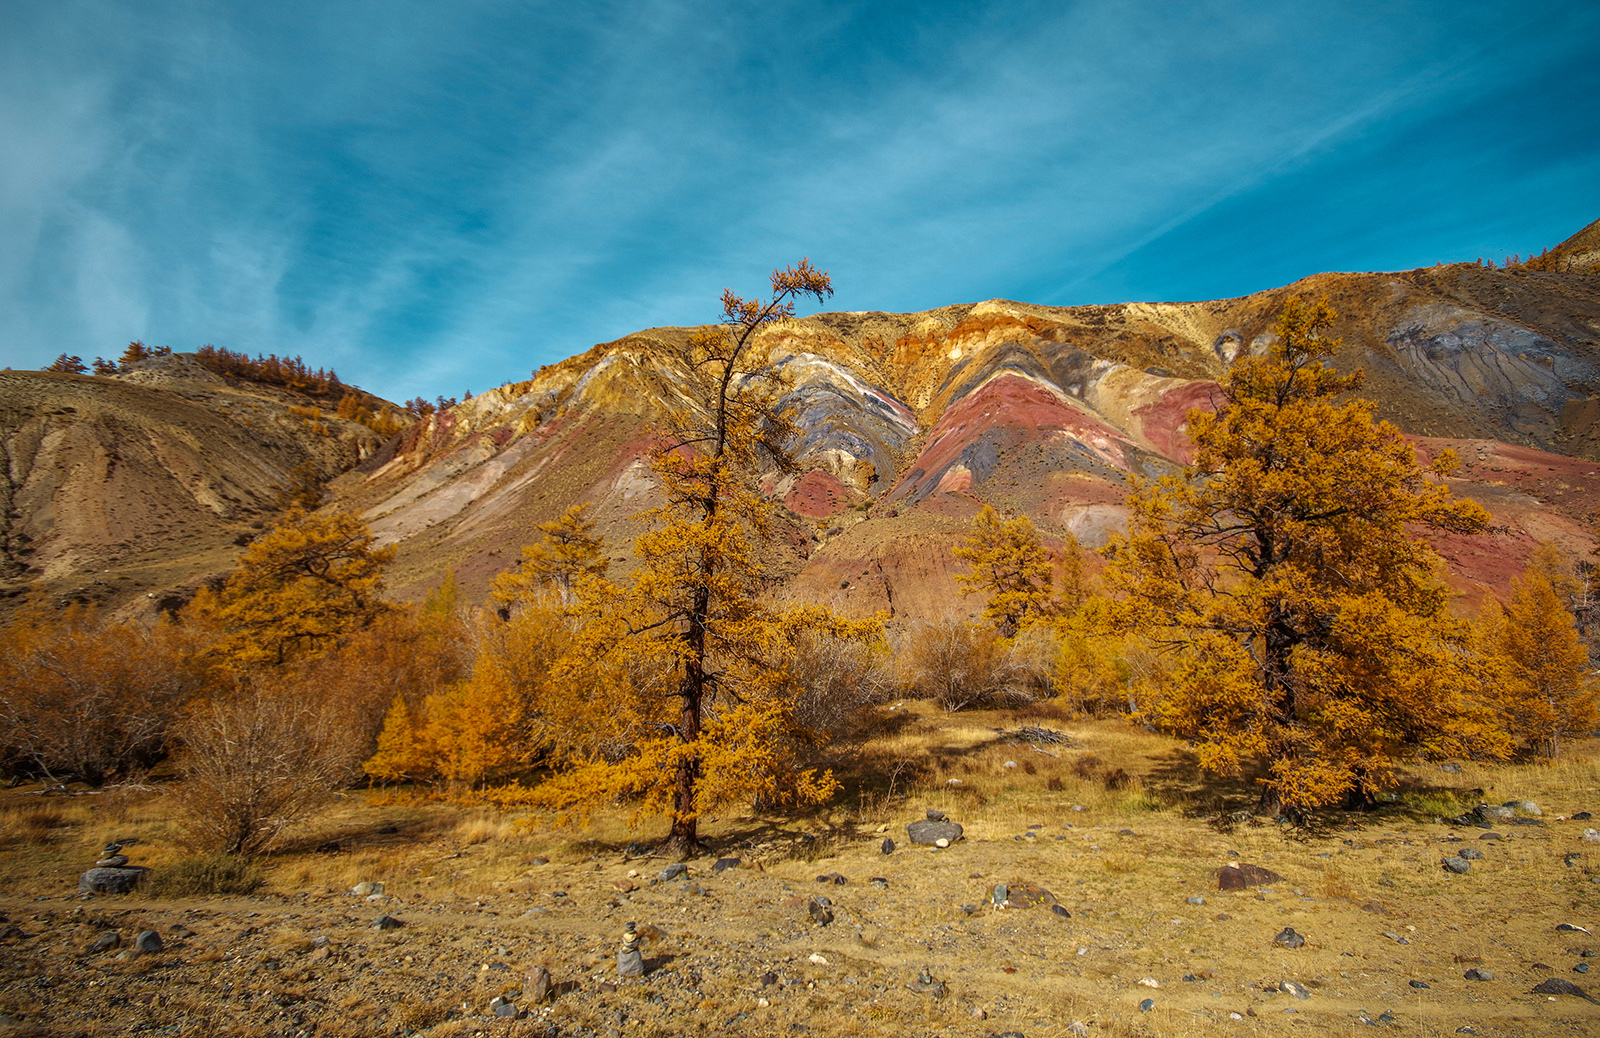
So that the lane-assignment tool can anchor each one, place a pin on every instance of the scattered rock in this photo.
(820, 913)
(1570, 928)
(1491, 836)
(1582, 967)
(1561, 986)
(1196, 900)
(832, 877)
(1147, 1005)
(538, 861)
(1478, 973)
(1022, 895)
(672, 872)
(1079, 1029)
(1295, 988)
(148, 942)
(1527, 807)
(926, 985)
(505, 1011)
(110, 881)
(104, 943)
(1150, 982)
(1288, 938)
(1061, 911)
(1450, 767)
(1420, 985)
(816, 959)
(386, 922)
(1456, 864)
(366, 889)
(1582, 816)
(1591, 835)
(932, 831)
(723, 864)
(536, 985)
(1494, 813)
(880, 882)
(1470, 854)
(941, 843)
(1243, 876)
(936, 816)
(769, 979)
(114, 861)
(887, 847)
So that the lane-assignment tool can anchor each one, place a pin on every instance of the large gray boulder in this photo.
(110, 881)
(930, 833)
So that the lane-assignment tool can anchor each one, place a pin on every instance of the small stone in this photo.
(112, 848)
(832, 877)
(817, 960)
(1196, 900)
(1491, 836)
(1494, 813)
(1527, 807)
(769, 979)
(926, 985)
(941, 843)
(1147, 1005)
(1295, 988)
(820, 913)
(1288, 938)
(1582, 816)
(148, 942)
(536, 985)
(1243, 876)
(1060, 911)
(1466, 1029)
(366, 889)
(936, 816)
(1591, 835)
(104, 943)
(1150, 982)
(887, 846)
(1470, 854)
(1456, 864)
(1561, 986)
(880, 882)
(672, 872)
(505, 1011)
(1420, 985)
(1570, 928)
(1450, 767)
(1079, 1029)
(1582, 967)
(386, 922)
(538, 861)
(114, 861)
(723, 864)
(1478, 973)
(979, 1013)
(630, 962)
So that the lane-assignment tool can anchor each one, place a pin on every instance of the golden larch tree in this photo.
(698, 708)
(299, 587)
(568, 552)
(1540, 674)
(1010, 565)
(1308, 621)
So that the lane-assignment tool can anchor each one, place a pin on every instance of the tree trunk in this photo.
(684, 839)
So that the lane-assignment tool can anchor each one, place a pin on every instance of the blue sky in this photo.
(432, 197)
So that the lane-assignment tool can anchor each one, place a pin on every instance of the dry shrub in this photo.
(960, 665)
(256, 761)
(1055, 785)
(1087, 766)
(93, 700)
(204, 874)
(838, 679)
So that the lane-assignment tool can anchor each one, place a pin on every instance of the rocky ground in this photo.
(1109, 921)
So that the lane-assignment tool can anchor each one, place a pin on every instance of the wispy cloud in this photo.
(432, 198)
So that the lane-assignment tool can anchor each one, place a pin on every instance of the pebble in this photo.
(1456, 864)
(115, 861)
(148, 942)
(1147, 1005)
(1591, 835)
(832, 877)
(1420, 985)
(722, 864)
(936, 816)
(1060, 911)
(537, 985)
(1295, 988)
(1477, 973)
(1570, 928)
(887, 847)
(1196, 900)
(1288, 938)
(366, 889)
(104, 943)
(1582, 967)
(880, 882)
(1150, 982)
(505, 1011)
(672, 872)
(820, 913)
(386, 922)
(926, 985)
(1470, 854)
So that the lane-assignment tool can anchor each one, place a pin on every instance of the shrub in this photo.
(257, 761)
(204, 874)
(960, 665)
(838, 678)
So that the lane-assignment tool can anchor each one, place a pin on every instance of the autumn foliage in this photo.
(1286, 575)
